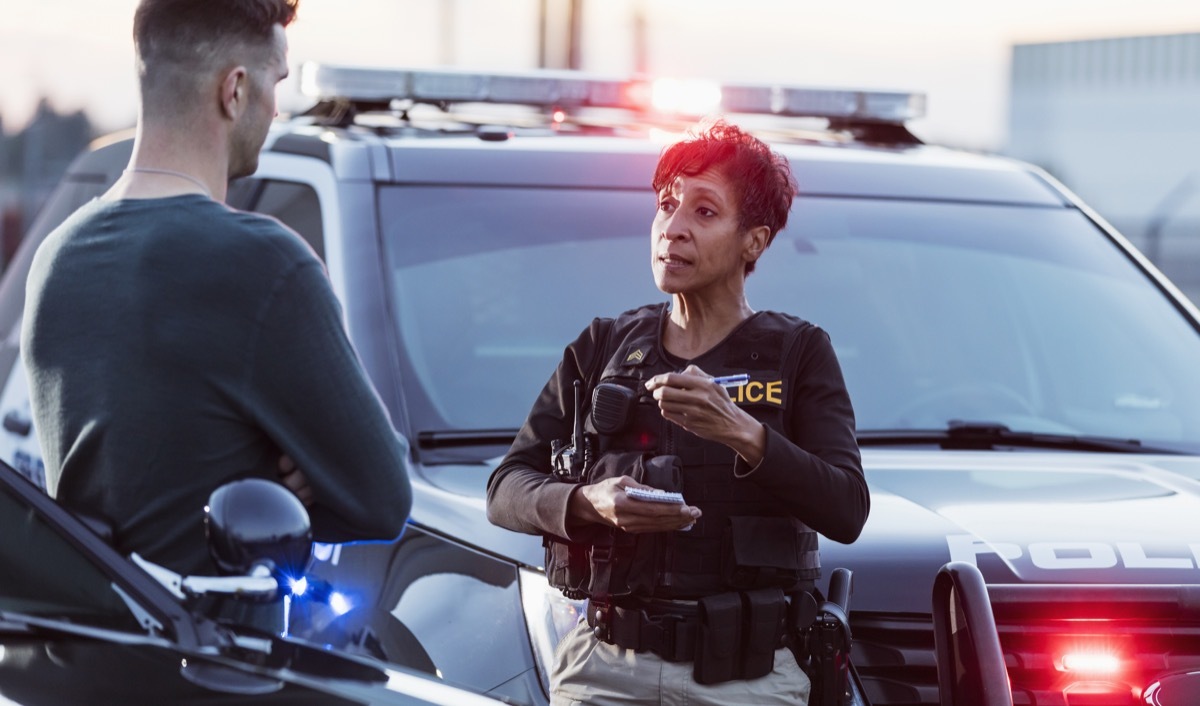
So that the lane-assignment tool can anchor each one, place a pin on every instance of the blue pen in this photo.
(732, 380)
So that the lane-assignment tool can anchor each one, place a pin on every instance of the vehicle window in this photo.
(296, 206)
(487, 296)
(1025, 316)
(42, 574)
(242, 193)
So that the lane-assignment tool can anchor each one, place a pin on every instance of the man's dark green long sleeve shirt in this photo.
(174, 344)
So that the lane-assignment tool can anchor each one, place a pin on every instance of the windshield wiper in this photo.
(23, 624)
(990, 435)
(457, 438)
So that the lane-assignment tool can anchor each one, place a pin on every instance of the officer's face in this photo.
(695, 244)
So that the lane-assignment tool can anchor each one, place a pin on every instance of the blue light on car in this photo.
(298, 586)
(338, 603)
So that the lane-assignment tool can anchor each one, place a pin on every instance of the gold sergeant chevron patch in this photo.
(635, 357)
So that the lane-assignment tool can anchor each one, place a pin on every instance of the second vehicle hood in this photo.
(1021, 517)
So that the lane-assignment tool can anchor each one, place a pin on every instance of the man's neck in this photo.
(171, 161)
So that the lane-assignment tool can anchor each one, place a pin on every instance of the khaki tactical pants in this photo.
(588, 671)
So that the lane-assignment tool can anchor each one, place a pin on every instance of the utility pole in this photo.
(575, 34)
(641, 54)
(560, 25)
(449, 29)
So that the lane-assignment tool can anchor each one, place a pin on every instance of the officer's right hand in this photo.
(606, 503)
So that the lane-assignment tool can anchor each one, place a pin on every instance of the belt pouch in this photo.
(627, 628)
(761, 551)
(567, 565)
(719, 639)
(764, 616)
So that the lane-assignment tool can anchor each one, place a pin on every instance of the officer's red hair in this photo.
(761, 179)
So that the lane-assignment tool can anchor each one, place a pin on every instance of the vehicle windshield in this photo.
(1023, 316)
(45, 576)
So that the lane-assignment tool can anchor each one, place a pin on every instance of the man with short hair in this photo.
(174, 344)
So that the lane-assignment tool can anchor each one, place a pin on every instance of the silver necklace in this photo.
(169, 172)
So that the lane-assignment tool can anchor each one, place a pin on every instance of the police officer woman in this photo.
(696, 601)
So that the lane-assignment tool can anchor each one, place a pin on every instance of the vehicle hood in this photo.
(1021, 517)
(77, 664)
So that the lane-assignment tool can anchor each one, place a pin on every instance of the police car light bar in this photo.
(567, 89)
(845, 104)
(537, 88)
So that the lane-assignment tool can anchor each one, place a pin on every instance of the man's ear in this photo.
(233, 92)
(755, 243)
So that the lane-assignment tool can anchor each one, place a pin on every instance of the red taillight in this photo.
(1097, 662)
(1095, 672)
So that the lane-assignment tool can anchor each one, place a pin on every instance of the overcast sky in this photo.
(79, 52)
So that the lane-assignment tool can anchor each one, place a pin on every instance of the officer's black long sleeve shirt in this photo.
(815, 469)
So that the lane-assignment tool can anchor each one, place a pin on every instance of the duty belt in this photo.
(669, 629)
(672, 629)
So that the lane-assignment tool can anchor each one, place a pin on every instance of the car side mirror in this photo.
(258, 531)
(254, 523)
(260, 538)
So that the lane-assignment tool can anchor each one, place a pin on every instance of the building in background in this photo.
(1118, 121)
(31, 163)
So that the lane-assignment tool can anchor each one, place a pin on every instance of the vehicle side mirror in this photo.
(258, 533)
(258, 523)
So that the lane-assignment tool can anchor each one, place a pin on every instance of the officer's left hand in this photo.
(693, 401)
(295, 480)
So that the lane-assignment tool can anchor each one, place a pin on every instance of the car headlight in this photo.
(549, 615)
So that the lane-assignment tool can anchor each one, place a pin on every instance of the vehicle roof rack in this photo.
(343, 92)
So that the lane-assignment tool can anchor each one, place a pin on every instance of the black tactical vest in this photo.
(745, 539)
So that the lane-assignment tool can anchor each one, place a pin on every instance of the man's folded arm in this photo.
(308, 391)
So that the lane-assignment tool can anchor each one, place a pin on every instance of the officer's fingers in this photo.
(692, 378)
(686, 517)
(673, 393)
(640, 516)
(668, 518)
(682, 381)
(625, 482)
(676, 416)
(658, 381)
(686, 409)
(622, 508)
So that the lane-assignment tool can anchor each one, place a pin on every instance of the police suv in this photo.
(1025, 382)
